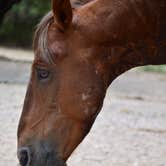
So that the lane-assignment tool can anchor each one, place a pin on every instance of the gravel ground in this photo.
(11, 99)
(129, 131)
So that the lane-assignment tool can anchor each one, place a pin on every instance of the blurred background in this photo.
(131, 128)
(19, 23)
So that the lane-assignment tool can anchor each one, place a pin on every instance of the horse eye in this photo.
(42, 74)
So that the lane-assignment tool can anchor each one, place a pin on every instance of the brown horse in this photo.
(78, 53)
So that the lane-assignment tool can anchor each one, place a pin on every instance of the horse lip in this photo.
(48, 161)
(51, 161)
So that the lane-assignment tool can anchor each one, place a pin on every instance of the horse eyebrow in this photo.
(40, 62)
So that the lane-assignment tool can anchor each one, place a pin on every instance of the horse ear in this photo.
(62, 11)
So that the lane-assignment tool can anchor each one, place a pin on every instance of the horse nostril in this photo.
(24, 156)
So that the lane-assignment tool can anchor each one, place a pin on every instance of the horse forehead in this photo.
(54, 33)
(56, 41)
(58, 47)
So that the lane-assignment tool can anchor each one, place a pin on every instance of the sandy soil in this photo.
(130, 130)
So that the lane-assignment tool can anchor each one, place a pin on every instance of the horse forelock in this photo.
(40, 43)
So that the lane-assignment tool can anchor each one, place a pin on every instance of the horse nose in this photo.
(24, 156)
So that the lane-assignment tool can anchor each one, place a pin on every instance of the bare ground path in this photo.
(130, 130)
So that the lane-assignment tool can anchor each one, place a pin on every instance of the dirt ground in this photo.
(129, 131)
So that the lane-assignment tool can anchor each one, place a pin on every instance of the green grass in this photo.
(158, 69)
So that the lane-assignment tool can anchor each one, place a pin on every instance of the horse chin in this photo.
(48, 161)
(51, 162)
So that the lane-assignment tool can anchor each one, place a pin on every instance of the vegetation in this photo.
(159, 69)
(19, 23)
(6, 5)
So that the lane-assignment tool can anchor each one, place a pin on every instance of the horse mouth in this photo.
(48, 162)
(52, 161)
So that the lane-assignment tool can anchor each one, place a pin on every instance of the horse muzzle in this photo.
(39, 154)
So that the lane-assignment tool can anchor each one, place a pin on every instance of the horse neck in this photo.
(112, 20)
(129, 28)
